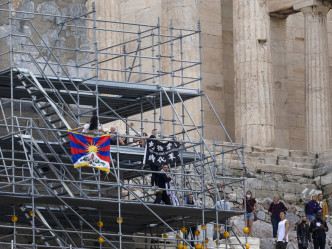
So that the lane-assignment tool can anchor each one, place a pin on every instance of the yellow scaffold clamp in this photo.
(119, 220)
(14, 218)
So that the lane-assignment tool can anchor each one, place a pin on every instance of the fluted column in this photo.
(317, 78)
(253, 73)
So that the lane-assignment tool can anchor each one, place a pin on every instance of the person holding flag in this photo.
(90, 151)
(93, 126)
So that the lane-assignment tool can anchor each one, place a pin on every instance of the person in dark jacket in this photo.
(153, 167)
(163, 179)
(303, 235)
(312, 208)
(274, 211)
(318, 229)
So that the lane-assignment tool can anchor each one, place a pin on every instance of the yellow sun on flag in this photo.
(93, 148)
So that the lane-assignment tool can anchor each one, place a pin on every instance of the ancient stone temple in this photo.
(263, 67)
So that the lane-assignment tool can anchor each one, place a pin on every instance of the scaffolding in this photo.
(143, 78)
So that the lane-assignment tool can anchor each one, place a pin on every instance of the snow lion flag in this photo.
(90, 151)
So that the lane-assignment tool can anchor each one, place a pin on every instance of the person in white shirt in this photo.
(223, 204)
(283, 229)
(93, 126)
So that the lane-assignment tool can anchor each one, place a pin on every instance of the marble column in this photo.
(253, 73)
(317, 78)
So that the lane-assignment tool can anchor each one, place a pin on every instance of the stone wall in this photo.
(186, 14)
(42, 30)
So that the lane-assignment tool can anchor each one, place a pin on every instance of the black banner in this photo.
(159, 153)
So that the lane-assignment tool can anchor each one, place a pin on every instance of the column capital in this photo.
(309, 6)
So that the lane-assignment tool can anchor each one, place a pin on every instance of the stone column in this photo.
(253, 73)
(317, 76)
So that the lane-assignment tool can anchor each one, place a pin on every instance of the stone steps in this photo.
(300, 153)
(304, 159)
(295, 164)
(274, 160)
(254, 243)
(280, 169)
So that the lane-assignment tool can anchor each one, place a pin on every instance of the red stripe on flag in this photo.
(78, 151)
(106, 148)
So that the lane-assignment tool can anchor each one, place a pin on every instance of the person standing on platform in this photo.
(251, 207)
(303, 235)
(115, 138)
(274, 211)
(190, 200)
(223, 205)
(312, 208)
(323, 205)
(283, 229)
(163, 180)
(318, 229)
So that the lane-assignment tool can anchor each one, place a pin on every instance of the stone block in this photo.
(281, 121)
(290, 198)
(297, 143)
(281, 138)
(252, 183)
(295, 108)
(266, 202)
(278, 5)
(292, 218)
(328, 189)
(269, 185)
(326, 179)
(262, 193)
(286, 163)
(261, 215)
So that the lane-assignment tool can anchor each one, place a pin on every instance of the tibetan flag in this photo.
(90, 151)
